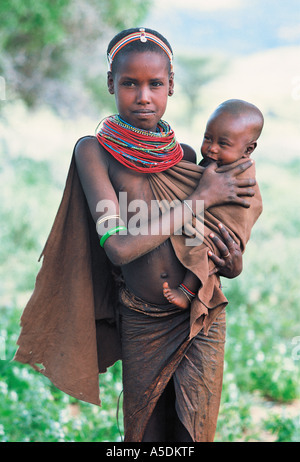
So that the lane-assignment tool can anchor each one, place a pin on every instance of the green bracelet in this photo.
(110, 232)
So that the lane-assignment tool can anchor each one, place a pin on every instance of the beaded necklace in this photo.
(137, 149)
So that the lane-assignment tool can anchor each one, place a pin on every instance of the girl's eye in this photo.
(156, 84)
(128, 83)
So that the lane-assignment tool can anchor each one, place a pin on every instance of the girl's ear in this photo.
(171, 84)
(110, 83)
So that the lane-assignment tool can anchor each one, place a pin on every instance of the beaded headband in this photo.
(143, 37)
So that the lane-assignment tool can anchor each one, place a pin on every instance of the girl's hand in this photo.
(230, 262)
(225, 187)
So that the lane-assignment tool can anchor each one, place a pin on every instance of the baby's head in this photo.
(232, 132)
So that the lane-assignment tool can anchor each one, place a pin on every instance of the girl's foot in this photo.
(175, 296)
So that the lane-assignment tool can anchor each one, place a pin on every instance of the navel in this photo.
(164, 275)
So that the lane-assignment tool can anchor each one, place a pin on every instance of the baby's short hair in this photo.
(238, 107)
(139, 46)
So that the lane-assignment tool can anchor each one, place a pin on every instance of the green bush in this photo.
(33, 410)
(286, 429)
(234, 417)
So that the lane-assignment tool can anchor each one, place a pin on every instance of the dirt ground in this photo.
(262, 410)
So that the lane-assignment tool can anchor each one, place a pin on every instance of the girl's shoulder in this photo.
(85, 142)
(88, 150)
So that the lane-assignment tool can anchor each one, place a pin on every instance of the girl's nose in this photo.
(143, 95)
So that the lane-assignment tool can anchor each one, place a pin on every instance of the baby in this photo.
(231, 134)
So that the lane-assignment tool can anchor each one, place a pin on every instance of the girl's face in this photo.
(141, 86)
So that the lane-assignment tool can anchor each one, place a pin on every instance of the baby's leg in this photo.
(184, 293)
(175, 296)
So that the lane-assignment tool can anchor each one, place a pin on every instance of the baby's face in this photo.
(226, 139)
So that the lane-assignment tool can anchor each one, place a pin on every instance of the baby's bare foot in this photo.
(175, 296)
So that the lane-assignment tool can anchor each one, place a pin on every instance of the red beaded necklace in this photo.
(140, 150)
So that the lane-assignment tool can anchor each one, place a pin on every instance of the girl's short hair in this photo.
(138, 46)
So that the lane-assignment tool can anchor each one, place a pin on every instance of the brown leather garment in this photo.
(156, 346)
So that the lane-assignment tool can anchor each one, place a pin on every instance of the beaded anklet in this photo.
(187, 292)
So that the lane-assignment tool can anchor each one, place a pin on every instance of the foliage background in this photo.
(53, 66)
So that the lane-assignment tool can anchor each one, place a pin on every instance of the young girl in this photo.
(71, 325)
